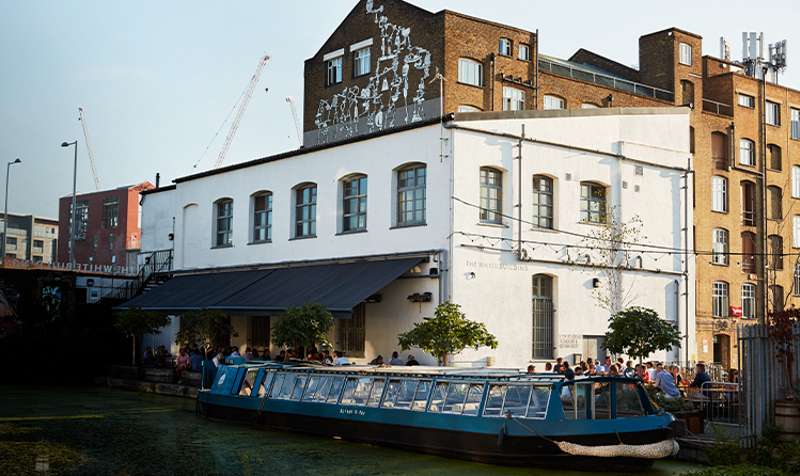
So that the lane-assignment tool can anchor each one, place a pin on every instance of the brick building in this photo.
(107, 226)
(375, 72)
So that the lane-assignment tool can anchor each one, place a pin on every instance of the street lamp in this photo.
(5, 212)
(74, 191)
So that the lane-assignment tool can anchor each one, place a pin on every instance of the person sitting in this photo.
(161, 355)
(326, 357)
(377, 360)
(411, 361)
(531, 369)
(196, 359)
(566, 393)
(395, 360)
(700, 378)
(559, 367)
(666, 382)
(548, 367)
(281, 356)
(235, 352)
(147, 356)
(248, 354)
(182, 363)
(340, 358)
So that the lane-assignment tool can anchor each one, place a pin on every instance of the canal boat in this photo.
(486, 415)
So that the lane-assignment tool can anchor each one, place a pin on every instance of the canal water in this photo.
(100, 431)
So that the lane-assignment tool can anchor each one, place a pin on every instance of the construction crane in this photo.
(290, 100)
(89, 146)
(245, 100)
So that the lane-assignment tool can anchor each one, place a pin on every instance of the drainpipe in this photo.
(536, 65)
(686, 254)
(519, 195)
(762, 223)
(494, 78)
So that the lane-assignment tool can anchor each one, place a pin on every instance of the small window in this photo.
(593, 203)
(505, 46)
(110, 241)
(773, 113)
(795, 124)
(748, 194)
(262, 217)
(775, 200)
(334, 71)
(542, 202)
(354, 207)
(719, 300)
(491, 195)
(552, 102)
(224, 227)
(513, 99)
(465, 108)
(470, 72)
(719, 194)
(747, 101)
(686, 54)
(748, 301)
(587, 105)
(774, 157)
(361, 62)
(524, 52)
(306, 211)
(719, 246)
(411, 195)
(747, 152)
(687, 93)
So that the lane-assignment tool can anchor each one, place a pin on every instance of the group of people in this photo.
(394, 361)
(159, 357)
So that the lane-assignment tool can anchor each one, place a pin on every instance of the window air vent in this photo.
(624, 184)
(568, 177)
(639, 170)
(637, 188)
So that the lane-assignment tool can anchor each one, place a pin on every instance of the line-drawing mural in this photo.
(377, 102)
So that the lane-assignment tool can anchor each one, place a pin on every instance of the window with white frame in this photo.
(719, 300)
(354, 207)
(796, 230)
(686, 54)
(719, 246)
(491, 195)
(719, 194)
(748, 301)
(505, 46)
(224, 229)
(593, 203)
(524, 52)
(262, 217)
(334, 71)
(542, 317)
(111, 212)
(470, 72)
(795, 124)
(542, 202)
(411, 195)
(773, 113)
(552, 102)
(361, 62)
(747, 152)
(795, 181)
(747, 101)
(513, 99)
(306, 211)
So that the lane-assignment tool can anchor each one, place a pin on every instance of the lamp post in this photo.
(5, 212)
(74, 191)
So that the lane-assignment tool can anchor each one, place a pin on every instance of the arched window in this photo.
(470, 72)
(719, 246)
(411, 195)
(354, 205)
(719, 194)
(552, 102)
(748, 301)
(262, 217)
(719, 300)
(774, 157)
(748, 195)
(775, 197)
(593, 203)
(748, 251)
(747, 152)
(542, 317)
(224, 222)
(491, 195)
(542, 202)
(305, 218)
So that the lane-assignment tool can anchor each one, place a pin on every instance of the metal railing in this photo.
(717, 107)
(156, 263)
(720, 403)
(605, 80)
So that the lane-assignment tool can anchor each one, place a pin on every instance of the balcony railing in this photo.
(717, 107)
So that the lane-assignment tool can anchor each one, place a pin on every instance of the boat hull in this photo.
(523, 448)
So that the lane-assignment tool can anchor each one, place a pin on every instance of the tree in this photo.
(449, 332)
(780, 325)
(136, 321)
(304, 326)
(638, 332)
(610, 244)
(206, 327)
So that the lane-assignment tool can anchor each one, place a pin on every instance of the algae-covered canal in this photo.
(98, 431)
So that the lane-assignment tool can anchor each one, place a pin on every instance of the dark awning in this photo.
(340, 287)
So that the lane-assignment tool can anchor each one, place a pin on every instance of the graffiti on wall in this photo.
(9, 297)
(51, 298)
(389, 87)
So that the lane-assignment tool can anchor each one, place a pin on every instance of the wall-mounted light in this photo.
(433, 271)
(595, 282)
(171, 236)
(423, 297)
(471, 275)
(90, 282)
(375, 298)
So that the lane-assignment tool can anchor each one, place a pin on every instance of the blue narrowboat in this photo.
(487, 415)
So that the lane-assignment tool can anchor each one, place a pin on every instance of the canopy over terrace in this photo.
(340, 287)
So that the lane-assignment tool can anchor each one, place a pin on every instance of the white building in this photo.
(369, 225)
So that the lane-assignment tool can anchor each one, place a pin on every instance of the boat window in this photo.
(276, 387)
(516, 401)
(356, 391)
(299, 385)
(574, 398)
(288, 386)
(311, 388)
(377, 389)
(494, 401)
(474, 398)
(264, 387)
(248, 382)
(439, 394)
(421, 398)
(391, 394)
(539, 400)
(221, 378)
(405, 395)
(456, 396)
(323, 388)
(602, 401)
(629, 404)
(336, 390)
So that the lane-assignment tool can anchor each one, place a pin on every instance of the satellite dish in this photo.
(630, 372)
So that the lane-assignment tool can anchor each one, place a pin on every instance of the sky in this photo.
(157, 80)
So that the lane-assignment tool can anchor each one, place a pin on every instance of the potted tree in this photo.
(781, 325)
(306, 326)
(136, 321)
